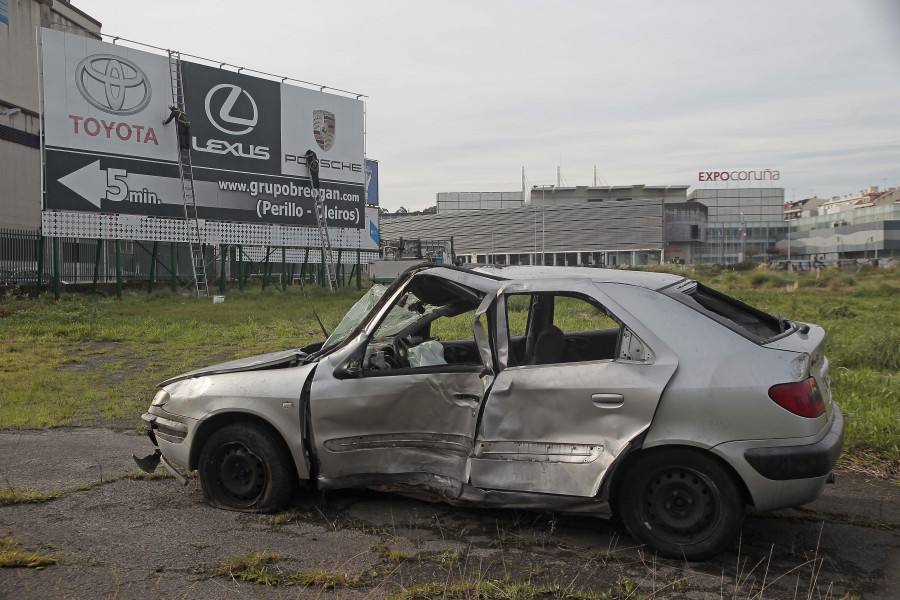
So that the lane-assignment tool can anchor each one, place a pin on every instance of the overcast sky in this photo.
(462, 95)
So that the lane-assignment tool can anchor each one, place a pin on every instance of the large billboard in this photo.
(107, 150)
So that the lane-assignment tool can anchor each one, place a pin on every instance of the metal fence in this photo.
(27, 257)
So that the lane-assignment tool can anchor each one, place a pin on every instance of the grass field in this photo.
(95, 361)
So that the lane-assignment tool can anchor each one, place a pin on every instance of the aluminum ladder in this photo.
(186, 171)
(327, 254)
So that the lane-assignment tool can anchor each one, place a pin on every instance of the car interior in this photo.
(553, 333)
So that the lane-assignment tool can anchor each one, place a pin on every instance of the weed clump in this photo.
(12, 556)
(252, 567)
(11, 496)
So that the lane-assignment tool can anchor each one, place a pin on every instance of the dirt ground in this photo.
(119, 536)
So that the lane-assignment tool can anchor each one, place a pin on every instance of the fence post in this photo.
(358, 270)
(97, 266)
(174, 269)
(223, 252)
(265, 280)
(152, 268)
(56, 285)
(118, 273)
(40, 265)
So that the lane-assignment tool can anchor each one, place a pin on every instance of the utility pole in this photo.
(543, 232)
(523, 185)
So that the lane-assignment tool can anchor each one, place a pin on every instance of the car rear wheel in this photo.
(682, 503)
(243, 468)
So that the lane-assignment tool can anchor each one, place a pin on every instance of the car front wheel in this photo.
(243, 468)
(681, 503)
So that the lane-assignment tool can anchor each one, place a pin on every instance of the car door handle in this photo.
(608, 400)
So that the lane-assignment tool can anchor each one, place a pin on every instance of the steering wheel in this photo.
(402, 344)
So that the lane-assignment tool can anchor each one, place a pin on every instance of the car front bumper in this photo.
(170, 433)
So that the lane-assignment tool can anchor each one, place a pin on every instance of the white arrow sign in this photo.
(88, 182)
(118, 185)
(95, 184)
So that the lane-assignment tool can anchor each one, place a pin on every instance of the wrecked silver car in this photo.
(642, 395)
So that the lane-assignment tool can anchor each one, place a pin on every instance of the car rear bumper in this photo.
(782, 475)
(801, 462)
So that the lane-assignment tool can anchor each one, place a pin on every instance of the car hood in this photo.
(283, 358)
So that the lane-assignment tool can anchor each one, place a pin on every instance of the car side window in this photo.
(429, 326)
(552, 328)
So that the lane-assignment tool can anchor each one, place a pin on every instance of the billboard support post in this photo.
(118, 272)
(265, 277)
(223, 253)
(340, 267)
(240, 257)
(283, 270)
(40, 265)
(358, 269)
(97, 266)
(174, 269)
(303, 268)
(56, 285)
(152, 268)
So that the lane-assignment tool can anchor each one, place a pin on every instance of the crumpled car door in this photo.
(556, 428)
(412, 428)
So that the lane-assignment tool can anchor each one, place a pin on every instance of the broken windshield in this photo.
(355, 316)
(407, 311)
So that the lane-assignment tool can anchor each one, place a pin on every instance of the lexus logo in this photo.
(113, 84)
(224, 96)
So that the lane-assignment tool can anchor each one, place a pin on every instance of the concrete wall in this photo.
(20, 183)
(20, 186)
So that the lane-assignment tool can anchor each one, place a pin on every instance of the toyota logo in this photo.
(113, 84)
(224, 118)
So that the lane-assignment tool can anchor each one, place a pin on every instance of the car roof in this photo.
(646, 279)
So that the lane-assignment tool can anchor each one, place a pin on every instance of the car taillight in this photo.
(801, 398)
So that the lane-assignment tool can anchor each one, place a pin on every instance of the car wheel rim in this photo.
(242, 474)
(681, 504)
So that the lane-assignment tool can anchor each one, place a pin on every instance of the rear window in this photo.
(731, 312)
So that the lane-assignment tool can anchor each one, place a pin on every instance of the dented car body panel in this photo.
(272, 396)
(532, 387)
(528, 443)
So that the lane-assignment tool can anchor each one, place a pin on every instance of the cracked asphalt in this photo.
(116, 535)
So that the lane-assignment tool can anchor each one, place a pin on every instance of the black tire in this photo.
(682, 503)
(244, 468)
